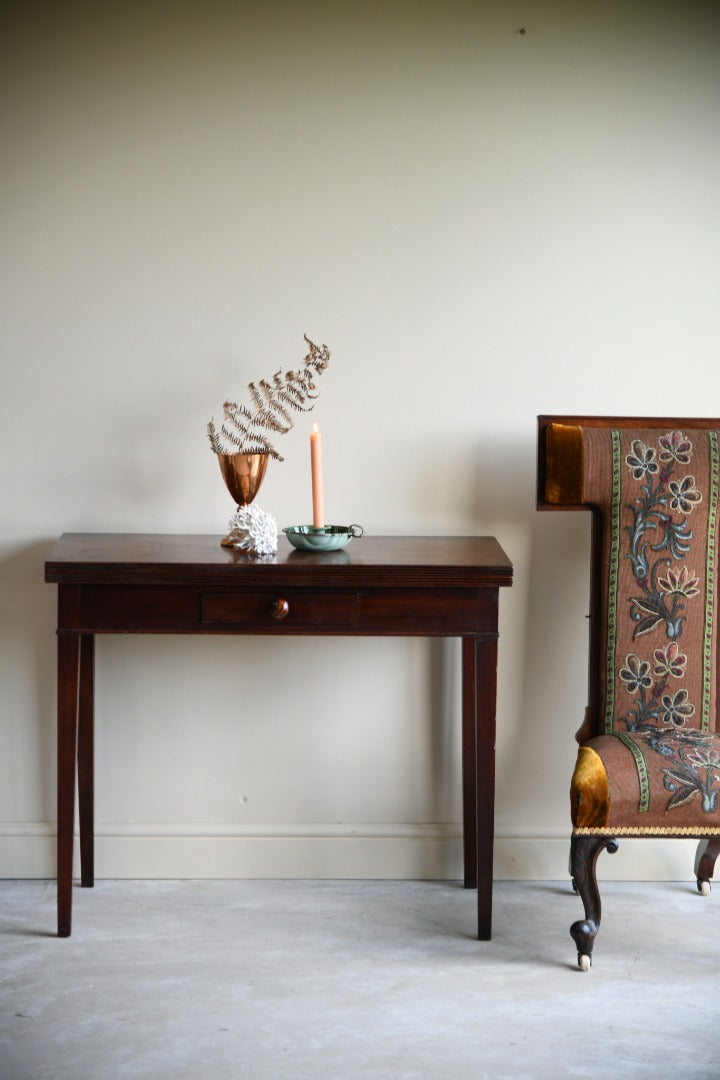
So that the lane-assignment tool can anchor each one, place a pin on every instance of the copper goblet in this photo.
(243, 474)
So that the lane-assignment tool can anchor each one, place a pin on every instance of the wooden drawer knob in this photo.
(280, 609)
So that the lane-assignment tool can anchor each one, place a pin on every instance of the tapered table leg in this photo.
(486, 686)
(85, 760)
(68, 664)
(469, 681)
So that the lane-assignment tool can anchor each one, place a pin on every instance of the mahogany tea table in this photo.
(379, 586)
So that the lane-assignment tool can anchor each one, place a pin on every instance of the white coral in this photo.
(252, 529)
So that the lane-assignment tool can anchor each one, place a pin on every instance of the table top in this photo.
(404, 561)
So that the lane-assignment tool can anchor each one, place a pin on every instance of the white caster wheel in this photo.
(584, 962)
(704, 888)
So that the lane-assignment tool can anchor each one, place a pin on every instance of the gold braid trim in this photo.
(651, 830)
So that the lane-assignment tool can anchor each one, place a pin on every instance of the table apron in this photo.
(179, 609)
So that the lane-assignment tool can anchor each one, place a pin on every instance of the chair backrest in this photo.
(652, 485)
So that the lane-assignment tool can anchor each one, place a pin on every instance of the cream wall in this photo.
(483, 225)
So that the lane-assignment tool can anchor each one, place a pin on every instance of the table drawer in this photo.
(290, 608)
(449, 612)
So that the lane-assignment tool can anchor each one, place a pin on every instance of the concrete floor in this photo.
(299, 979)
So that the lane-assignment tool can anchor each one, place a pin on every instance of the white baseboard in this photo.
(364, 851)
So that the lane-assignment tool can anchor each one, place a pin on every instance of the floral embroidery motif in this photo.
(670, 661)
(685, 778)
(641, 460)
(659, 717)
(684, 494)
(660, 705)
(659, 542)
(675, 447)
(680, 583)
(661, 600)
(676, 708)
(636, 673)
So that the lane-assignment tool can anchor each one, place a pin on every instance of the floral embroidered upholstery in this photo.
(656, 493)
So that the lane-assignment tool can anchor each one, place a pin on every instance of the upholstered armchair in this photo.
(649, 757)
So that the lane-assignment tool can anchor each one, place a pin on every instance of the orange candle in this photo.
(318, 495)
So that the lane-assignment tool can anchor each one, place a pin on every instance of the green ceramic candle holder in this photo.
(327, 538)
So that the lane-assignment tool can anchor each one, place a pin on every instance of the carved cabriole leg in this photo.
(584, 851)
(705, 856)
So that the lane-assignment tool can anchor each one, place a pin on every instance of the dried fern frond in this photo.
(214, 439)
(272, 403)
